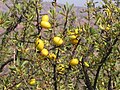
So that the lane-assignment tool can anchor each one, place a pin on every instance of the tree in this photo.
(61, 54)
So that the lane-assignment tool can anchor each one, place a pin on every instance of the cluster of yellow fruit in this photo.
(57, 41)
(73, 36)
(40, 46)
(44, 52)
(45, 22)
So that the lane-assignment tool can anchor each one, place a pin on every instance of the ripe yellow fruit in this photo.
(107, 28)
(45, 24)
(39, 44)
(32, 81)
(74, 41)
(52, 56)
(74, 62)
(44, 52)
(45, 18)
(57, 41)
(86, 64)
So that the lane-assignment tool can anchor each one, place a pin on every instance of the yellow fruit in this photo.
(74, 62)
(44, 52)
(107, 28)
(74, 41)
(73, 36)
(76, 31)
(32, 81)
(39, 44)
(57, 41)
(86, 64)
(60, 68)
(45, 24)
(45, 18)
(52, 56)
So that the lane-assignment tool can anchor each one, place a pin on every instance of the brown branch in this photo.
(55, 77)
(87, 79)
(73, 52)
(109, 82)
(10, 60)
(55, 73)
(12, 27)
(65, 24)
(38, 20)
(4, 64)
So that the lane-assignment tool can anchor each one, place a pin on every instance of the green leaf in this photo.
(24, 63)
(13, 68)
(93, 31)
(70, 8)
(18, 6)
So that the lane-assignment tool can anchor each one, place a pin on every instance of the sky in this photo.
(80, 3)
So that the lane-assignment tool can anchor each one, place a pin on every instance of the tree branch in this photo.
(103, 60)
(38, 20)
(87, 79)
(12, 27)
